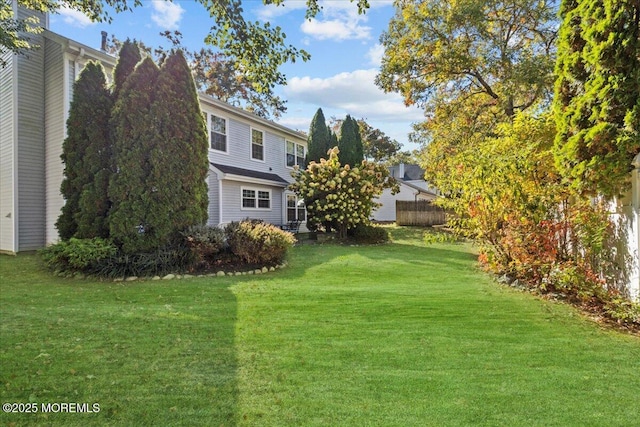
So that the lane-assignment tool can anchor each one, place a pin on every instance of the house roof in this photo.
(417, 188)
(294, 134)
(411, 172)
(238, 174)
(81, 50)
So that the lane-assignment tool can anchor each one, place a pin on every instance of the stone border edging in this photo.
(172, 276)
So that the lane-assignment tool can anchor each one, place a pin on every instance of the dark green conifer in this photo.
(86, 154)
(597, 94)
(135, 137)
(319, 139)
(179, 158)
(350, 143)
(128, 57)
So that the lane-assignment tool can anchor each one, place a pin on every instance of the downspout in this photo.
(635, 201)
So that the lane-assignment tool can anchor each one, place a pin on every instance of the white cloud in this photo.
(166, 15)
(354, 93)
(335, 29)
(271, 11)
(74, 17)
(298, 123)
(375, 54)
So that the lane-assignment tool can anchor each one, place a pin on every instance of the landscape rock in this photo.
(169, 277)
(220, 273)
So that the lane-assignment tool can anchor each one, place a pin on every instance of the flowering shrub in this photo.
(340, 198)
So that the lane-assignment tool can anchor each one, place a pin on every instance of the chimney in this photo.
(401, 171)
(103, 45)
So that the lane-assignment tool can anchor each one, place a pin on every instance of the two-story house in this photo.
(250, 158)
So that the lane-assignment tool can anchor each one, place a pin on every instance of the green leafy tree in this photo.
(350, 142)
(178, 158)
(319, 139)
(135, 139)
(597, 103)
(376, 144)
(341, 197)
(217, 75)
(86, 154)
(258, 49)
(500, 52)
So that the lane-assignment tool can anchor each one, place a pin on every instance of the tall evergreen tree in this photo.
(350, 143)
(319, 140)
(128, 57)
(597, 102)
(86, 154)
(135, 137)
(179, 162)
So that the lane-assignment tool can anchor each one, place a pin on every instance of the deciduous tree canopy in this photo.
(501, 52)
(256, 49)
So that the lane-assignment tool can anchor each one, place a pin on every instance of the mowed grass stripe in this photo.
(398, 334)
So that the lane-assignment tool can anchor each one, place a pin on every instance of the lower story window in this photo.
(295, 208)
(256, 199)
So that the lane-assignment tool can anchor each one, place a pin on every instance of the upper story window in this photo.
(218, 133)
(257, 144)
(295, 155)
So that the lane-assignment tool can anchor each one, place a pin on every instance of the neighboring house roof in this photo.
(238, 174)
(418, 188)
(411, 172)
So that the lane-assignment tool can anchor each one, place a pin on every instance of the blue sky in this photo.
(339, 78)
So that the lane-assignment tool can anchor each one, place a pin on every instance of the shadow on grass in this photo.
(148, 353)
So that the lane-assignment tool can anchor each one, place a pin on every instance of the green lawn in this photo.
(393, 335)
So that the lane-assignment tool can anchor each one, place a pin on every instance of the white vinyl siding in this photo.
(231, 203)
(7, 154)
(55, 130)
(30, 147)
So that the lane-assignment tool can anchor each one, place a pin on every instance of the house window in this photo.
(218, 133)
(295, 208)
(257, 144)
(256, 199)
(295, 155)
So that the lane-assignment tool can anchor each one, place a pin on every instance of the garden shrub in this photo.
(204, 242)
(368, 234)
(166, 260)
(431, 237)
(259, 243)
(77, 255)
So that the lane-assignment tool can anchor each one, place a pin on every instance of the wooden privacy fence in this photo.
(420, 212)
